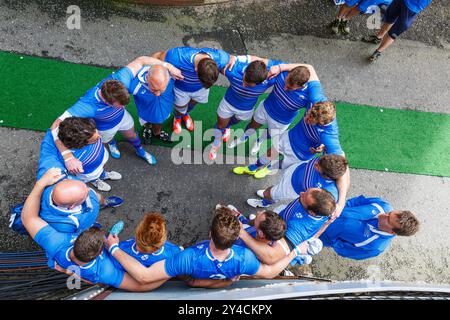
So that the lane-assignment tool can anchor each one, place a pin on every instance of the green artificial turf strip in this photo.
(35, 91)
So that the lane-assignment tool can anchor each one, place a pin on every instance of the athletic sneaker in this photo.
(375, 56)
(287, 273)
(371, 39)
(163, 136)
(302, 259)
(226, 135)
(344, 28)
(256, 147)
(147, 133)
(335, 26)
(258, 203)
(146, 156)
(188, 122)
(260, 193)
(101, 185)
(244, 170)
(237, 142)
(117, 228)
(213, 152)
(112, 202)
(115, 153)
(112, 175)
(262, 173)
(176, 125)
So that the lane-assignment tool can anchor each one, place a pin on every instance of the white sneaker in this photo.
(101, 185)
(112, 175)
(257, 203)
(256, 147)
(231, 207)
(235, 143)
(260, 193)
(287, 273)
(213, 152)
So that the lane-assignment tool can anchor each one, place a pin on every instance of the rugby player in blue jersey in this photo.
(322, 172)
(200, 68)
(304, 217)
(213, 263)
(79, 254)
(352, 8)
(105, 103)
(296, 86)
(248, 81)
(150, 243)
(366, 228)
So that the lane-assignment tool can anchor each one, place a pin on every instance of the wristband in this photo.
(165, 64)
(65, 160)
(113, 248)
(65, 152)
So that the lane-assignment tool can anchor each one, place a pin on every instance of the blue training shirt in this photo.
(147, 259)
(198, 262)
(65, 220)
(283, 106)
(58, 247)
(300, 225)
(306, 176)
(151, 108)
(90, 105)
(417, 5)
(245, 98)
(183, 59)
(355, 233)
(304, 136)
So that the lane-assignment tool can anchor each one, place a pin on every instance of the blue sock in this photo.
(190, 107)
(136, 143)
(266, 202)
(233, 121)
(112, 142)
(103, 175)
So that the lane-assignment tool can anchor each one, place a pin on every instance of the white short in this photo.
(284, 147)
(126, 124)
(280, 208)
(284, 190)
(94, 175)
(182, 98)
(262, 117)
(226, 111)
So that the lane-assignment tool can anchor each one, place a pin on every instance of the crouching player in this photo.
(366, 228)
(213, 263)
(83, 254)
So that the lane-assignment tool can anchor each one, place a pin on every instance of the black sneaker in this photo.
(371, 39)
(375, 56)
(163, 136)
(344, 28)
(147, 134)
(335, 26)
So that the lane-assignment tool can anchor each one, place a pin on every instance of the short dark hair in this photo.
(114, 91)
(409, 224)
(225, 228)
(333, 165)
(324, 203)
(75, 132)
(256, 72)
(89, 244)
(299, 76)
(207, 72)
(273, 227)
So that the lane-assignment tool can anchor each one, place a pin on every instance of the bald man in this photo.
(152, 88)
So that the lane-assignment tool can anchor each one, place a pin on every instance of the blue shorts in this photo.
(351, 3)
(364, 5)
(399, 15)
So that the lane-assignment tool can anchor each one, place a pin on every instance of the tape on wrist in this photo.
(65, 152)
(68, 159)
(113, 248)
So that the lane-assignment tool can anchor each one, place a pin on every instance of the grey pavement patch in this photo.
(186, 196)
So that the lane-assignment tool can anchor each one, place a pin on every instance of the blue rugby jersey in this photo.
(199, 263)
(183, 59)
(283, 106)
(58, 247)
(90, 105)
(306, 176)
(245, 98)
(300, 224)
(151, 108)
(304, 136)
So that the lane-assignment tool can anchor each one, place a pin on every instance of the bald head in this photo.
(69, 193)
(158, 79)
